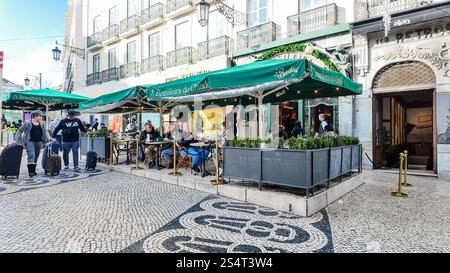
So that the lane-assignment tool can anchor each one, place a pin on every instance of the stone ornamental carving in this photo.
(409, 73)
(438, 57)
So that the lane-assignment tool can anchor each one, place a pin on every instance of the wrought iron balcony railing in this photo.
(215, 47)
(315, 19)
(173, 5)
(129, 70)
(110, 74)
(128, 24)
(180, 56)
(93, 78)
(155, 63)
(94, 39)
(365, 9)
(258, 35)
(152, 13)
(110, 32)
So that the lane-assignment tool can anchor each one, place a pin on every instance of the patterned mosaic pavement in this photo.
(113, 212)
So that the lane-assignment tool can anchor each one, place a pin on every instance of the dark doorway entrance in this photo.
(288, 115)
(405, 121)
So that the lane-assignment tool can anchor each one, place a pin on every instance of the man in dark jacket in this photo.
(70, 127)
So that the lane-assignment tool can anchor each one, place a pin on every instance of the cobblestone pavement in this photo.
(115, 212)
(370, 220)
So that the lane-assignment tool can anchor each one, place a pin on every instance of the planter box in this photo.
(7, 138)
(296, 169)
(100, 145)
(242, 163)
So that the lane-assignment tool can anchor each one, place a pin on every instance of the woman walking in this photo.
(33, 135)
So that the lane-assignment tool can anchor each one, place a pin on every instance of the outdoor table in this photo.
(203, 146)
(158, 145)
(126, 141)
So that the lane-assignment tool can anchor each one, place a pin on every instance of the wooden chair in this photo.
(185, 160)
(119, 148)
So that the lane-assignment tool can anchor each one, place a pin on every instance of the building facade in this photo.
(405, 70)
(134, 42)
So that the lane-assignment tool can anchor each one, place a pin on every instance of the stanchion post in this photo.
(110, 160)
(217, 181)
(405, 169)
(175, 169)
(399, 192)
(137, 156)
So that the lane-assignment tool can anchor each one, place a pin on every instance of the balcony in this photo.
(94, 41)
(129, 26)
(93, 78)
(215, 47)
(176, 8)
(111, 34)
(152, 16)
(256, 36)
(180, 56)
(111, 74)
(155, 63)
(315, 19)
(129, 70)
(365, 9)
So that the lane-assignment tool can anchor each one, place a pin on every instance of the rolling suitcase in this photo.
(53, 148)
(91, 160)
(10, 161)
(52, 162)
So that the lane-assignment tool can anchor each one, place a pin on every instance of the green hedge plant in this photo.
(296, 143)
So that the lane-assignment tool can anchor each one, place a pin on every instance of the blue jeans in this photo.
(68, 146)
(33, 150)
(197, 156)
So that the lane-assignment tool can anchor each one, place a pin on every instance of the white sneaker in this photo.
(66, 168)
(77, 169)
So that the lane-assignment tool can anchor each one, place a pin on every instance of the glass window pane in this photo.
(251, 6)
(252, 19)
(262, 3)
(262, 16)
(182, 35)
(306, 4)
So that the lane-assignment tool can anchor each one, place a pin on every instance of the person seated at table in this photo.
(329, 130)
(149, 134)
(102, 126)
(184, 139)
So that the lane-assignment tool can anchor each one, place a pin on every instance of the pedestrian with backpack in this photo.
(71, 127)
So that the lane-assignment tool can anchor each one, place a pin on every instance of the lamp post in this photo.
(27, 81)
(233, 16)
(56, 52)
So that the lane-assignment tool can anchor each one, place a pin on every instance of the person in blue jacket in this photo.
(70, 127)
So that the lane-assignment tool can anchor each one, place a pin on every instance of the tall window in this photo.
(112, 58)
(131, 8)
(96, 24)
(131, 52)
(182, 35)
(148, 3)
(96, 63)
(256, 12)
(217, 25)
(154, 45)
(310, 4)
(113, 16)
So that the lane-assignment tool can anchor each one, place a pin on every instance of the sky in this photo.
(28, 32)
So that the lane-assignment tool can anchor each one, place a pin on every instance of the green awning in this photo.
(41, 99)
(295, 79)
(124, 101)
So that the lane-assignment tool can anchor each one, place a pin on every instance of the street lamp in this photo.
(27, 81)
(233, 16)
(56, 54)
(75, 50)
(203, 12)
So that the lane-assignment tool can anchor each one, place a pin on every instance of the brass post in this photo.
(399, 189)
(137, 156)
(217, 181)
(175, 170)
(111, 151)
(405, 182)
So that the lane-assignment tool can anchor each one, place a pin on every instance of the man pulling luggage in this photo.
(70, 127)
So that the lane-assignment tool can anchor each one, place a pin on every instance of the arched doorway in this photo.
(404, 115)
